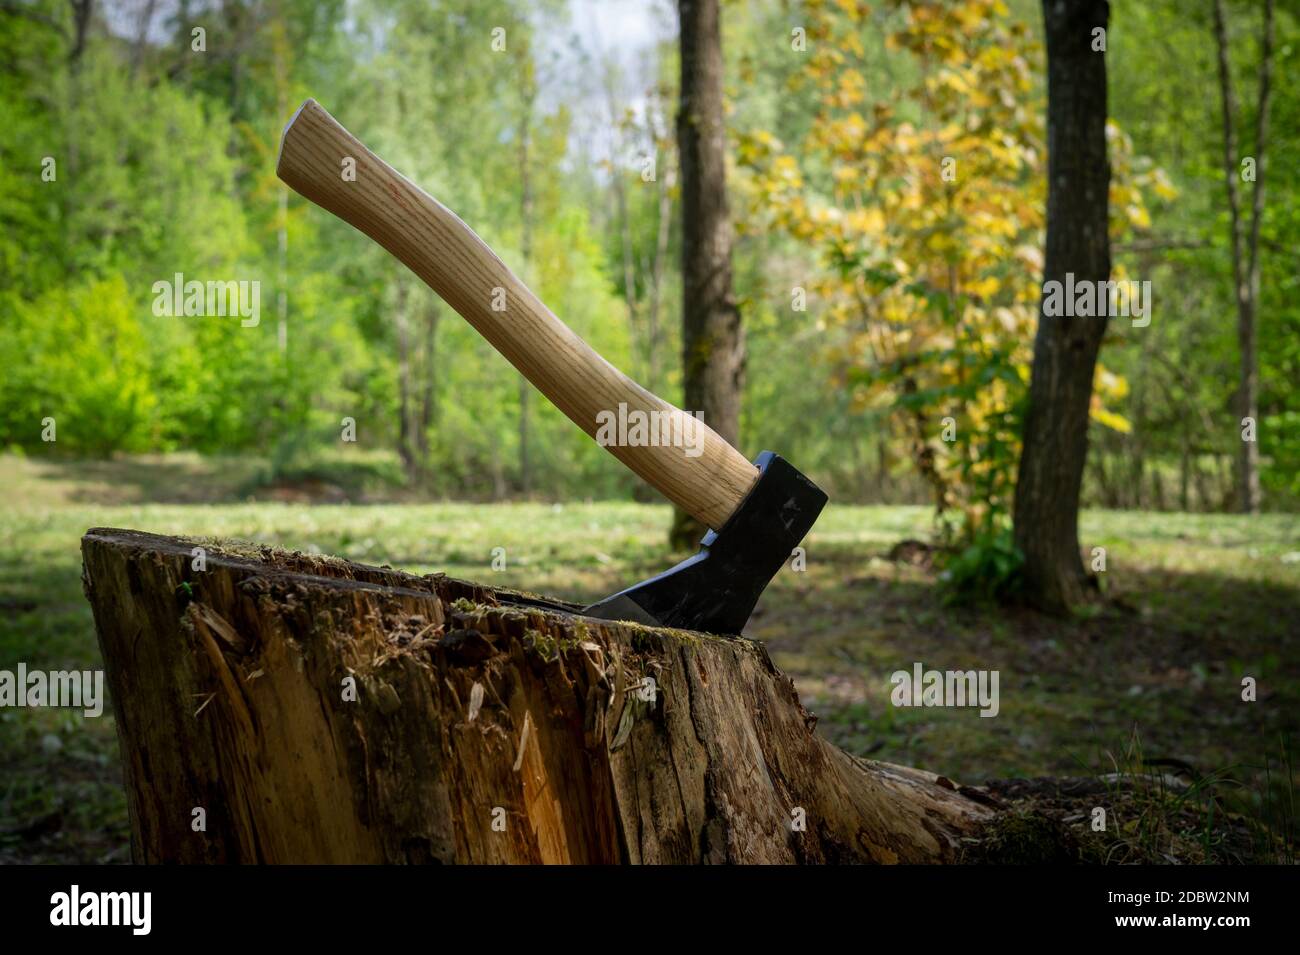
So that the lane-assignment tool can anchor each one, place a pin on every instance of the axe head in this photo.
(716, 590)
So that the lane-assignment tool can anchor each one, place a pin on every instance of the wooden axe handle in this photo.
(442, 250)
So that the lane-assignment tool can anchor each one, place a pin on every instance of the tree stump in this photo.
(283, 707)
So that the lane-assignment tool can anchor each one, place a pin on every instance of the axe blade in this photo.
(715, 590)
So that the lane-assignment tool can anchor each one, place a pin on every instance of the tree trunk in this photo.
(528, 98)
(713, 350)
(665, 181)
(317, 710)
(1184, 498)
(407, 446)
(82, 11)
(1065, 349)
(429, 386)
(1245, 249)
(141, 45)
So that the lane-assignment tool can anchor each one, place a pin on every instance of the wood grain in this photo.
(470, 706)
(452, 260)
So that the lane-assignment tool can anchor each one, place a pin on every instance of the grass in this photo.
(1197, 602)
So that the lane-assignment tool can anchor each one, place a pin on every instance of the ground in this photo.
(1152, 680)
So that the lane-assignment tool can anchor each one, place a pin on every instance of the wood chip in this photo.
(523, 739)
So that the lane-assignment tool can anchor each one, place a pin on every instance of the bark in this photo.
(618, 191)
(629, 268)
(1065, 349)
(82, 11)
(1184, 477)
(282, 273)
(666, 180)
(713, 352)
(407, 447)
(143, 25)
(429, 389)
(472, 706)
(528, 99)
(1203, 490)
(1245, 249)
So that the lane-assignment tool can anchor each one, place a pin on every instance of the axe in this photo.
(758, 512)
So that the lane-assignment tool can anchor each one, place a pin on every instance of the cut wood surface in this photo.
(485, 726)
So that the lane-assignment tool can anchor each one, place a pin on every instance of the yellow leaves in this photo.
(1138, 216)
(950, 134)
(825, 215)
(973, 15)
(1108, 387)
(1107, 384)
(853, 87)
(786, 168)
(1116, 422)
(852, 128)
(903, 138)
(1128, 210)
(1006, 319)
(994, 57)
(852, 42)
(1032, 257)
(1162, 185)
(952, 80)
(936, 266)
(799, 221)
(915, 202)
(936, 245)
(869, 220)
(756, 146)
(855, 10)
(1000, 222)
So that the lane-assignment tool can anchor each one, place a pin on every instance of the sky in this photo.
(597, 37)
(601, 33)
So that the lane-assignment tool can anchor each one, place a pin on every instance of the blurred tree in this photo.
(527, 92)
(713, 347)
(1245, 248)
(1065, 348)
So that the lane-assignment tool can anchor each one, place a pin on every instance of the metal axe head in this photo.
(715, 591)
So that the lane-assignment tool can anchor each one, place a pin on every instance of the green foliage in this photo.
(167, 166)
(986, 569)
(1183, 369)
(97, 406)
(920, 291)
